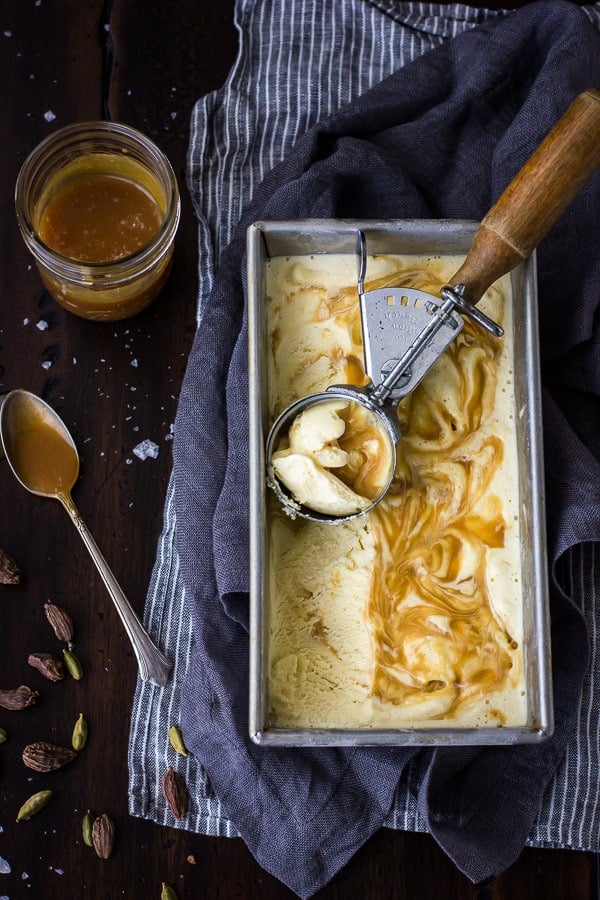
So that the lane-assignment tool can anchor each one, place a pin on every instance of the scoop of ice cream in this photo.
(315, 433)
(316, 487)
(314, 449)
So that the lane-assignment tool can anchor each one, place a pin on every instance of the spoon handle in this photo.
(153, 665)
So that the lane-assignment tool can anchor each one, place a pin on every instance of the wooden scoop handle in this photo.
(533, 201)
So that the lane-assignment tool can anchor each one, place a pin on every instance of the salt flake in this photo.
(42, 325)
(47, 364)
(5, 868)
(145, 449)
(49, 116)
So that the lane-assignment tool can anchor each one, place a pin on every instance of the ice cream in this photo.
(410, 615)
(339, 435)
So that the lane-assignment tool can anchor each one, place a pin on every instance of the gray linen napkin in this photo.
(510, 67)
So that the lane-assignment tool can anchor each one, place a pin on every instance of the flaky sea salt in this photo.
(145, 449)
(49, 116)
(5, 868)
(47, 364)
(42, 325)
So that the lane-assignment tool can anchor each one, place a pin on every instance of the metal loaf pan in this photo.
(317, 236)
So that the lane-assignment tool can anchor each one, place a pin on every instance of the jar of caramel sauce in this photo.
(98, 206)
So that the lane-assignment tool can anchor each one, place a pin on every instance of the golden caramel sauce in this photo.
(369, 458)
(99, 218)
(42, 457)
(438, 644)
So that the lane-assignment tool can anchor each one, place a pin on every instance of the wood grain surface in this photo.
(143, 63)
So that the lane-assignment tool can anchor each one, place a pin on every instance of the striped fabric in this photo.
(339, 49)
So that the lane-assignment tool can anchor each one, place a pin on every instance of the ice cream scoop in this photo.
(424, 325)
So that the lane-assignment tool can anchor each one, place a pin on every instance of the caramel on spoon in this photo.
(43, 457)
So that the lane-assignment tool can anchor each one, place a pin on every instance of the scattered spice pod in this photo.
(19, 698)
(50, 667)
(80, 733)
(33, 805)
(73, 665)
(175, 792)
(167, 892)
(3, 735)
(86, 828)
(176, 740)
(9, 570)
(42, 756)
(103, 836)
(61, 622)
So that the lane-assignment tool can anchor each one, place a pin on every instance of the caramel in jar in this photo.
(98, 206)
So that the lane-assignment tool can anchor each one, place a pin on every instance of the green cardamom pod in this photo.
(80, 733)
(33, 805)
(86, 828)
(73, 665)
(176, 739)
(3, 735)
(167, 892)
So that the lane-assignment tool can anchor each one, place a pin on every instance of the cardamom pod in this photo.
(103, 836)
(167, 892)
(50, 667)
(45, 757)
(176, 739)
(3, 735)
(9, 570)
(73, 665)
(60, 620)
(19, 698)
(80, 733)
(175, 792)
(33, 805)
(86, 828)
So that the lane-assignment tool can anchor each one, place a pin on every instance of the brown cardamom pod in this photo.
(50, 667)
(103, 836)
(175, 792)
(9, 570)
(44, 757)
(60, 620)
(19, 698)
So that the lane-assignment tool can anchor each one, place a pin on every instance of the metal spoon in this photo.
(44, 459)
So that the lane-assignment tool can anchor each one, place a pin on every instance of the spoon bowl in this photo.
(44, 459)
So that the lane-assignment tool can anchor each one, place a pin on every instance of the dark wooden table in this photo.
(144, 64)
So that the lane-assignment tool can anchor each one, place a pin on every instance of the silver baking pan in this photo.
(440, 237)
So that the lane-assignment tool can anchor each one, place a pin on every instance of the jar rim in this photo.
(141, 259)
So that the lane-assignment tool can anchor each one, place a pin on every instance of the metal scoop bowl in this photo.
(424, 325)
(319, 509)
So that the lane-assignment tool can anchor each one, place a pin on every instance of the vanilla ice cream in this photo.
(410, 615)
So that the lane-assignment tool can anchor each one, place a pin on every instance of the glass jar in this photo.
(65, 164)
